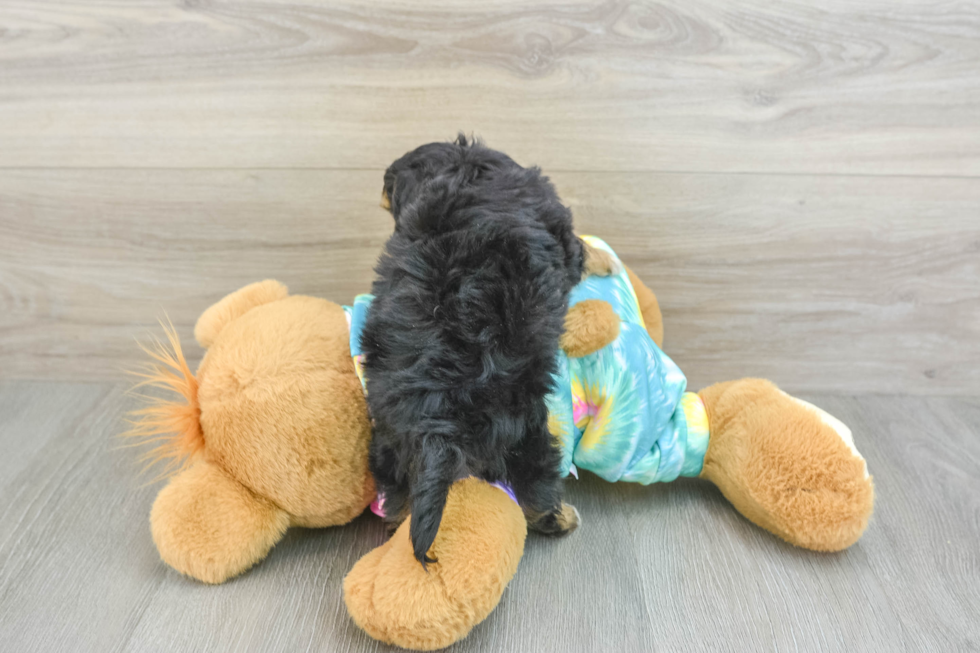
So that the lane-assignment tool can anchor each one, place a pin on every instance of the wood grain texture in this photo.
(825, 283)
(669, 567)
(836, 284)
(798, 183)
(873, 86)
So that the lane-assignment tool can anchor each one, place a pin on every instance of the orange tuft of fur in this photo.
(173, 425)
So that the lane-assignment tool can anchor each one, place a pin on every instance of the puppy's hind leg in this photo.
(392, 494)
(562, 522)
(533, 471)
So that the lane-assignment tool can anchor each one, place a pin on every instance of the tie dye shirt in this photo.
(621, 412)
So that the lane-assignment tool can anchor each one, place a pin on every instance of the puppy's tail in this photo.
(435, 470)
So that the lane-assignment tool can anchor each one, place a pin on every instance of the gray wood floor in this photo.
(663, 568)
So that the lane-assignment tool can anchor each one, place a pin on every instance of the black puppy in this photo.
(460, 341)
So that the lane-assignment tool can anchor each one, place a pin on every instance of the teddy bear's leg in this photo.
(209, 526)
(786, 465)
(480, 542)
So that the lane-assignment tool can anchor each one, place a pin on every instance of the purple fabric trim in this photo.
(506, 488)
(378, 505)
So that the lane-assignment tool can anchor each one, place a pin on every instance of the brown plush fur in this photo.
(590, 325)
(783, 468)
(478, 546)
(209, 526)
(283, 412)
(649, 308)
(274, 422)
(233, 306)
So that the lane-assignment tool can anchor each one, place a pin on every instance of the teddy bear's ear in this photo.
(233, 306)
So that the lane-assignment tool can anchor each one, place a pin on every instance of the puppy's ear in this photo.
(401, 189)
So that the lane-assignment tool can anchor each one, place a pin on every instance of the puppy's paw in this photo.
(392, 526)
(561, 522)
(599, 262)
(569, 518)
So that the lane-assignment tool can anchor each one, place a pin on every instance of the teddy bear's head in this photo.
(281, 408)
(273, 429)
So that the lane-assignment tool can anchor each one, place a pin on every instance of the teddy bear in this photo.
(620, 410)
(272, 431)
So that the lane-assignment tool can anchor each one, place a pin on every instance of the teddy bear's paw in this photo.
(839, 427)
(480, 542)
(590, 325)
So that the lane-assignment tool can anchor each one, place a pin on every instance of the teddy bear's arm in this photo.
(649, 307)
(592, 324)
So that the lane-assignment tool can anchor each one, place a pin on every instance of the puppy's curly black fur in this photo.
(460, 341)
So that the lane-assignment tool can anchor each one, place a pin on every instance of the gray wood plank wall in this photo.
(799, 184)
